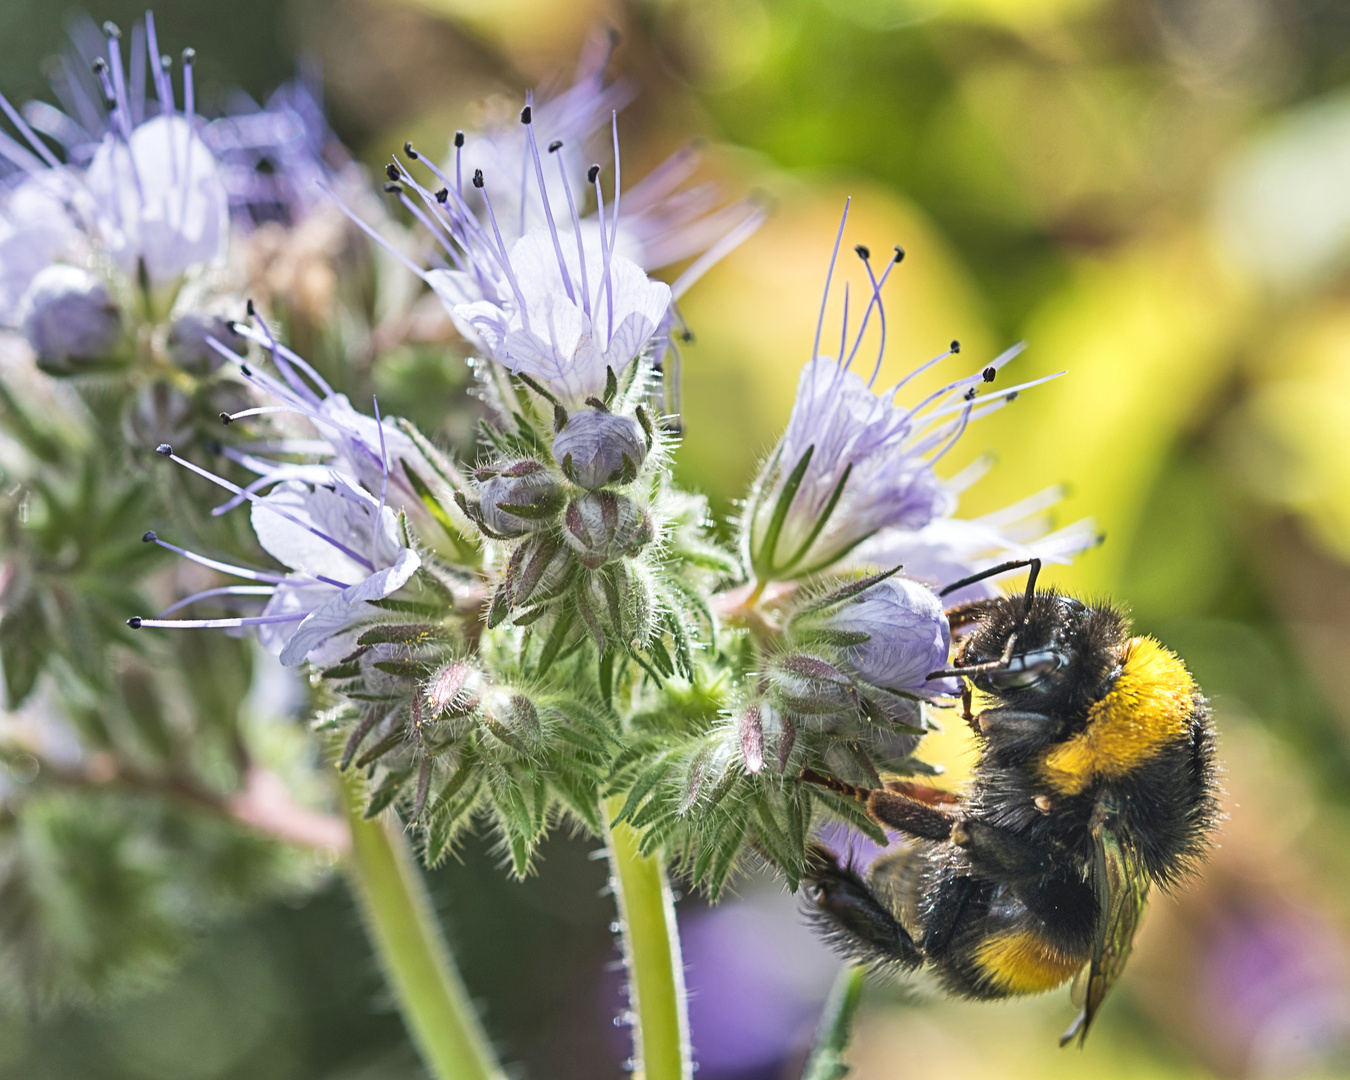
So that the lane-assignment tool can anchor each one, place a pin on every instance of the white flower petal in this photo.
(347, 607)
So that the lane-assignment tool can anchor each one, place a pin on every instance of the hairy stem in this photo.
(836, 1027)
(651, 947)
(416, 963)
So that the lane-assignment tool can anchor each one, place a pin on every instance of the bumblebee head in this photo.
(1044, 652)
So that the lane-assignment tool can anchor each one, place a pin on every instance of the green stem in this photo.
(416, 963)
(836, 1027)
(651, 948)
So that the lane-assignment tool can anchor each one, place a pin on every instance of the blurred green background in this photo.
(1155, 194)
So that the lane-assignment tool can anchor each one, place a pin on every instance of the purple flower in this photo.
(852, 462)
(567, 326)
(372, 452)
(367, 562)
(948, 549)
(273, 157)
(664, 221)
(161, 207)
(343, 549)
(907, 636)
(151, 198)
(536, 286)
(36, 230)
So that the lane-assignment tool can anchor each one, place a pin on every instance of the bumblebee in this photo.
(1095, 779)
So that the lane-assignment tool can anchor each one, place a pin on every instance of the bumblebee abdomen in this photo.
(1021, 961)
(1147, 711)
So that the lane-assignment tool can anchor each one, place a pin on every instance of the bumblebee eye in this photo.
(1025, 670)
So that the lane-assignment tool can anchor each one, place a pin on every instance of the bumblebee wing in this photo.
(1121, 887)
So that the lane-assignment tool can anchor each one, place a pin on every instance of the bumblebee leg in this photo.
(950, 907)
(890, 808)
(851, 916)
(908, 816)
(1001, 854)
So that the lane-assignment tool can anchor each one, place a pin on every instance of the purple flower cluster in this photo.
(853, 477)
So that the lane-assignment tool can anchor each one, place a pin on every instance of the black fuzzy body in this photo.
(1011, 865)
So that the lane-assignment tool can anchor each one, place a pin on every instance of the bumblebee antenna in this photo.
(994, 571)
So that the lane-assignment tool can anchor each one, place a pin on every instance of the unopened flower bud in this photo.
(907, 635)
(69, 317)
(542, 571)
(520, 499)
(751, 729)
(188, 348)
(780, 735)
(618, 602)
(767, 737)
(512, 720)
(807, 684)
(452, 690)
(708, 772)
(596, 448)
(602, 527)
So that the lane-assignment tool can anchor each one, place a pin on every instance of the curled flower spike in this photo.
(853, 462)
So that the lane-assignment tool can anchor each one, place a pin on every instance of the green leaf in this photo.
(408, 634)
(766, 567)
(387, 792)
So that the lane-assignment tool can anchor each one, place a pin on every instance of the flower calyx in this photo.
(602, 527)
(514, 501)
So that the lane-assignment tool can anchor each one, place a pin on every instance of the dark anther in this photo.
(899, 253)
(134, 622)
(956, 346)
(969, 395)
(189, 55)
(555, 146)
(687, 336)
(393, 189)
(100, 66)
(164, 449)
(592, 173)
(149, 537)
(1013, 395)
(863, 253)
(248, 306)
(215, 446)
(459, 138)
(248, 373)
(526, 115)
(989, 374)
(391, 171)
(112, 30)
(226, 419)
(442, 195)
(408, 149)
(478, 178)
